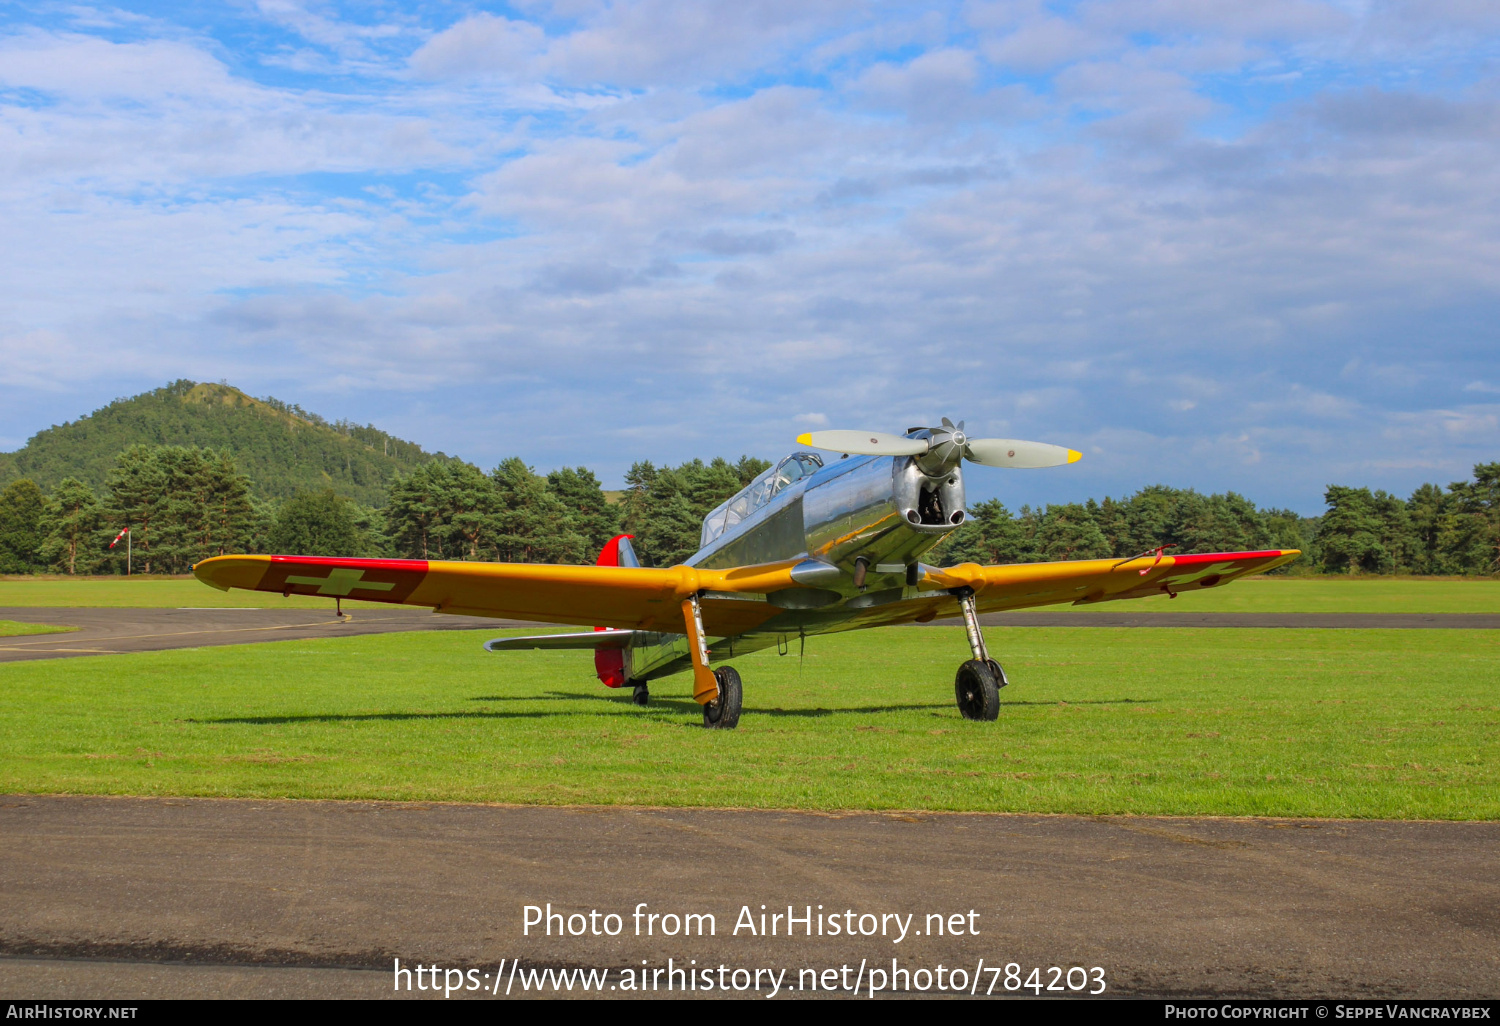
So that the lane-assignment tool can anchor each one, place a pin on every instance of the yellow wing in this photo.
(641, 598)
(1020, 585)
(637, 598)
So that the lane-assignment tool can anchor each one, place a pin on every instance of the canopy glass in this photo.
(759, 492)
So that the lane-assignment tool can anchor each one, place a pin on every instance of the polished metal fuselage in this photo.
(881, 511)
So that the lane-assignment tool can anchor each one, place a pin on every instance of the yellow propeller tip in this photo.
(1074, 455)
(804, 439)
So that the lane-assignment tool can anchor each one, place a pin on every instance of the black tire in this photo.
(977, 691)
(1000, 678)
(641, 695)
(723, 713)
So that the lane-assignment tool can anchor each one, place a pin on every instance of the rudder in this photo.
(609, 663)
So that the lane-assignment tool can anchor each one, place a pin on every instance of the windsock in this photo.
(118, 537)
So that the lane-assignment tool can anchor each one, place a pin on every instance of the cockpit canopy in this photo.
(758, 492)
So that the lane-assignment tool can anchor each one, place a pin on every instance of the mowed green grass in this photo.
(1281, 594)
(12, 629)
(1358, 723)
(1275, 594)
(142, 592)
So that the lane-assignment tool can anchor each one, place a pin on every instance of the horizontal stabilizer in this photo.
(594, 640)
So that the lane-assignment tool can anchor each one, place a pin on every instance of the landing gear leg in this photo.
(978, 683)
(718, 691)
(642, 694)
(723, 713)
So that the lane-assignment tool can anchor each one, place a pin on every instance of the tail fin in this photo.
(618, 552)
(609, 663)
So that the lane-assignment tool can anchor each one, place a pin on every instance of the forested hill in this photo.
(282, 448)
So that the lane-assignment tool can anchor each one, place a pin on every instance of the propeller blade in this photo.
(864, 443)
(1014, 453)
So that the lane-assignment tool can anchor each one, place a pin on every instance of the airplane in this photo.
(810, 547)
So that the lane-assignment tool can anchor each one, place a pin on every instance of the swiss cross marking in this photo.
(341, 582)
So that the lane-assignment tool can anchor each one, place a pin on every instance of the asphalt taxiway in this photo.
(133, 898)
(111, 631)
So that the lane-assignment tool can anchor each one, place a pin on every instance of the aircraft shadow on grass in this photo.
(674, 705)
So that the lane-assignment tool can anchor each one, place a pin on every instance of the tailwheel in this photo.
(977, 688)
(723, 712)
(641, 695)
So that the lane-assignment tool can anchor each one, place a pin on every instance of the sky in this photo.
(1240, 244)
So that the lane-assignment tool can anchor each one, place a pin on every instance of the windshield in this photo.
(759, 492)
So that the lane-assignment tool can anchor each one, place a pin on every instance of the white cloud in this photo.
(677, 222)
(1044, 43)
(84, 68)
(482, 45)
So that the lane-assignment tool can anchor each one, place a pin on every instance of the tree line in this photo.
(1435, 531)
(185, 503)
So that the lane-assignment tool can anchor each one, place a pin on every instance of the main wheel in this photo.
(977, 690)
(723, 713)
(641, 695)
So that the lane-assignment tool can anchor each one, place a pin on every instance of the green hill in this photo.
(281, 447)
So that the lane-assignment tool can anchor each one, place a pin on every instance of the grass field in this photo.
(12, 629)
(1273, 594)
(143, 592)
(1279, 594)
(1097, 720)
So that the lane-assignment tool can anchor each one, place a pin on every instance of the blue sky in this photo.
(1248, 244)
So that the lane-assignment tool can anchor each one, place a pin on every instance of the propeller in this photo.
(944, 446)
(864, 443)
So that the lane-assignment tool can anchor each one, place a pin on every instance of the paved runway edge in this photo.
(1170, 906)
(116, 631)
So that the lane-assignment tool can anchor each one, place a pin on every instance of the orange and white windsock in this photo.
(118, 537)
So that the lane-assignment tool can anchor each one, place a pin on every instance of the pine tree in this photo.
(22, 512)
(1427, 509)
(1469, 539)
(1069, 532)
(315, 524)
(535, 526)
(230, 522)
(635, 506)
(413, 518)
(990, 536)
(589, 515)
(1352, 537)
(370, 526)
(673, 532)
(73, 518)
(470, 509)
(137, 495)
(182, 504)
